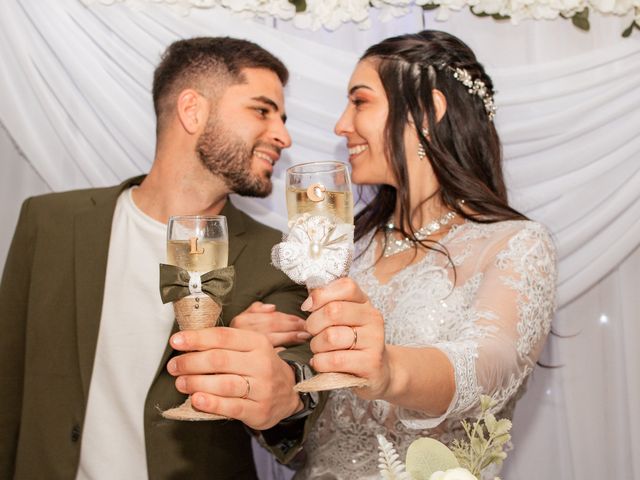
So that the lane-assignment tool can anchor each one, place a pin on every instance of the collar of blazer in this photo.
(92, 231)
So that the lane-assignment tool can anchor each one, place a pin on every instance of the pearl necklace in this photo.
(394, 246)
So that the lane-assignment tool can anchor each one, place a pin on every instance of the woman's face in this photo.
(362, 124)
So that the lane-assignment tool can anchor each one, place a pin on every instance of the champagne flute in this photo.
(322, 188)
(197, 244)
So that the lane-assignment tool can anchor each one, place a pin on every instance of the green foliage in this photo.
(301, 5)
(426, 456)
(495, 16)
(487, 437)
(629, 29)
(581, 20)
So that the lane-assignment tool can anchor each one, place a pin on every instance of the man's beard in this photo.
(224, 154)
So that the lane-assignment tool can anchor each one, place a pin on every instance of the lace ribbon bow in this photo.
(316, 251)
(176, 283)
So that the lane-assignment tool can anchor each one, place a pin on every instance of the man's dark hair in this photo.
(203, 63)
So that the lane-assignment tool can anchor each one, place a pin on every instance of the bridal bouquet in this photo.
(429, 459)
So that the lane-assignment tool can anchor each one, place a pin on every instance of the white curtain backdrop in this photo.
(76, 111)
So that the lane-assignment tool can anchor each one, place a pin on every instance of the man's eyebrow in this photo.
(357, 87)
(271, 103)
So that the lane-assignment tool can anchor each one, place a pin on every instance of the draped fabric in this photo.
(76, 111)
(82, 115)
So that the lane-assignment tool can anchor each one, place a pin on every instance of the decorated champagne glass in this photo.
(320, 188)
(196, 280)
(319, 245)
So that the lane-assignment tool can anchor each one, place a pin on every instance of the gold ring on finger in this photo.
(248, 390)
(355, 339)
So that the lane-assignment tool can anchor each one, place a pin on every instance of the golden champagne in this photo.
(197, 255)
(333, 204)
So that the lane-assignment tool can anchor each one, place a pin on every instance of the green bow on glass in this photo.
(174, 283)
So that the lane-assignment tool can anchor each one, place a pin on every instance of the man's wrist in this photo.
(307, 401)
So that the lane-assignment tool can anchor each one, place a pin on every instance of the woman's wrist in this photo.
(418, 379)
(398, 376)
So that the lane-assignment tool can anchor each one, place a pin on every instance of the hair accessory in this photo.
(476, 87)
(422, 154)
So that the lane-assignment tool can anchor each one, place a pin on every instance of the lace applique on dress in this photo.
(532, 257)
(422, 307)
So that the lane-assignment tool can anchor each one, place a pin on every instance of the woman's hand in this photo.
(281, 329)
(348, 335)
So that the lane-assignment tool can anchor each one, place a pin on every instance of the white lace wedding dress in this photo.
(492, 325)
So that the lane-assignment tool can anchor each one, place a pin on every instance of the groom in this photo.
(84, 363)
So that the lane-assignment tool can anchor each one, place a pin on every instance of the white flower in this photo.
(330, 14)
(619, 7)
(278, 8)
(316, 251)
(392, 8)
(446, 6)
(204, 3)
(453, 474)
(490, 7)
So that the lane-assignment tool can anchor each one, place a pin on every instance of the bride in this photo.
(451, 293)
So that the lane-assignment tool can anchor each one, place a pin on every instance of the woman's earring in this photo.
(422, 154)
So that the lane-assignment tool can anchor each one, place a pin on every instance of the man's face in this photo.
(245, 133)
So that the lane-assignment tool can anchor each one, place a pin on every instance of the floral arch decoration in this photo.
(331, 14)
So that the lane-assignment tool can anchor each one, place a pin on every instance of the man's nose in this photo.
(280, 135)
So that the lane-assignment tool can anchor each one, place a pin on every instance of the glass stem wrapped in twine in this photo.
(319, 245)
(197, 303)
(197, 282)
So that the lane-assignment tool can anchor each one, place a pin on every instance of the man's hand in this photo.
(235, 373)
(281, 329)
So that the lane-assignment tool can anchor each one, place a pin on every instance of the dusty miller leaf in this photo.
(426, 456)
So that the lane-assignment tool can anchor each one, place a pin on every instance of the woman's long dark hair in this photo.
(463, 147)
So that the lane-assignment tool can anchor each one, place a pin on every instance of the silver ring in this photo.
(355, 339)
(248, 390)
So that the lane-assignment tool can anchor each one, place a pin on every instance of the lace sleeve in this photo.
(510, 318)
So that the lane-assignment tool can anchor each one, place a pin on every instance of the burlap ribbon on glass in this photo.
(197, 298)
(197, 302)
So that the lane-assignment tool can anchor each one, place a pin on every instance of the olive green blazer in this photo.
(50, 306)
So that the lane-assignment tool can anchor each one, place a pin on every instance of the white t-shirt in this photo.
(134, 330)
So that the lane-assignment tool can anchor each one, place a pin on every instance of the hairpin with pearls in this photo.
(476, 87)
